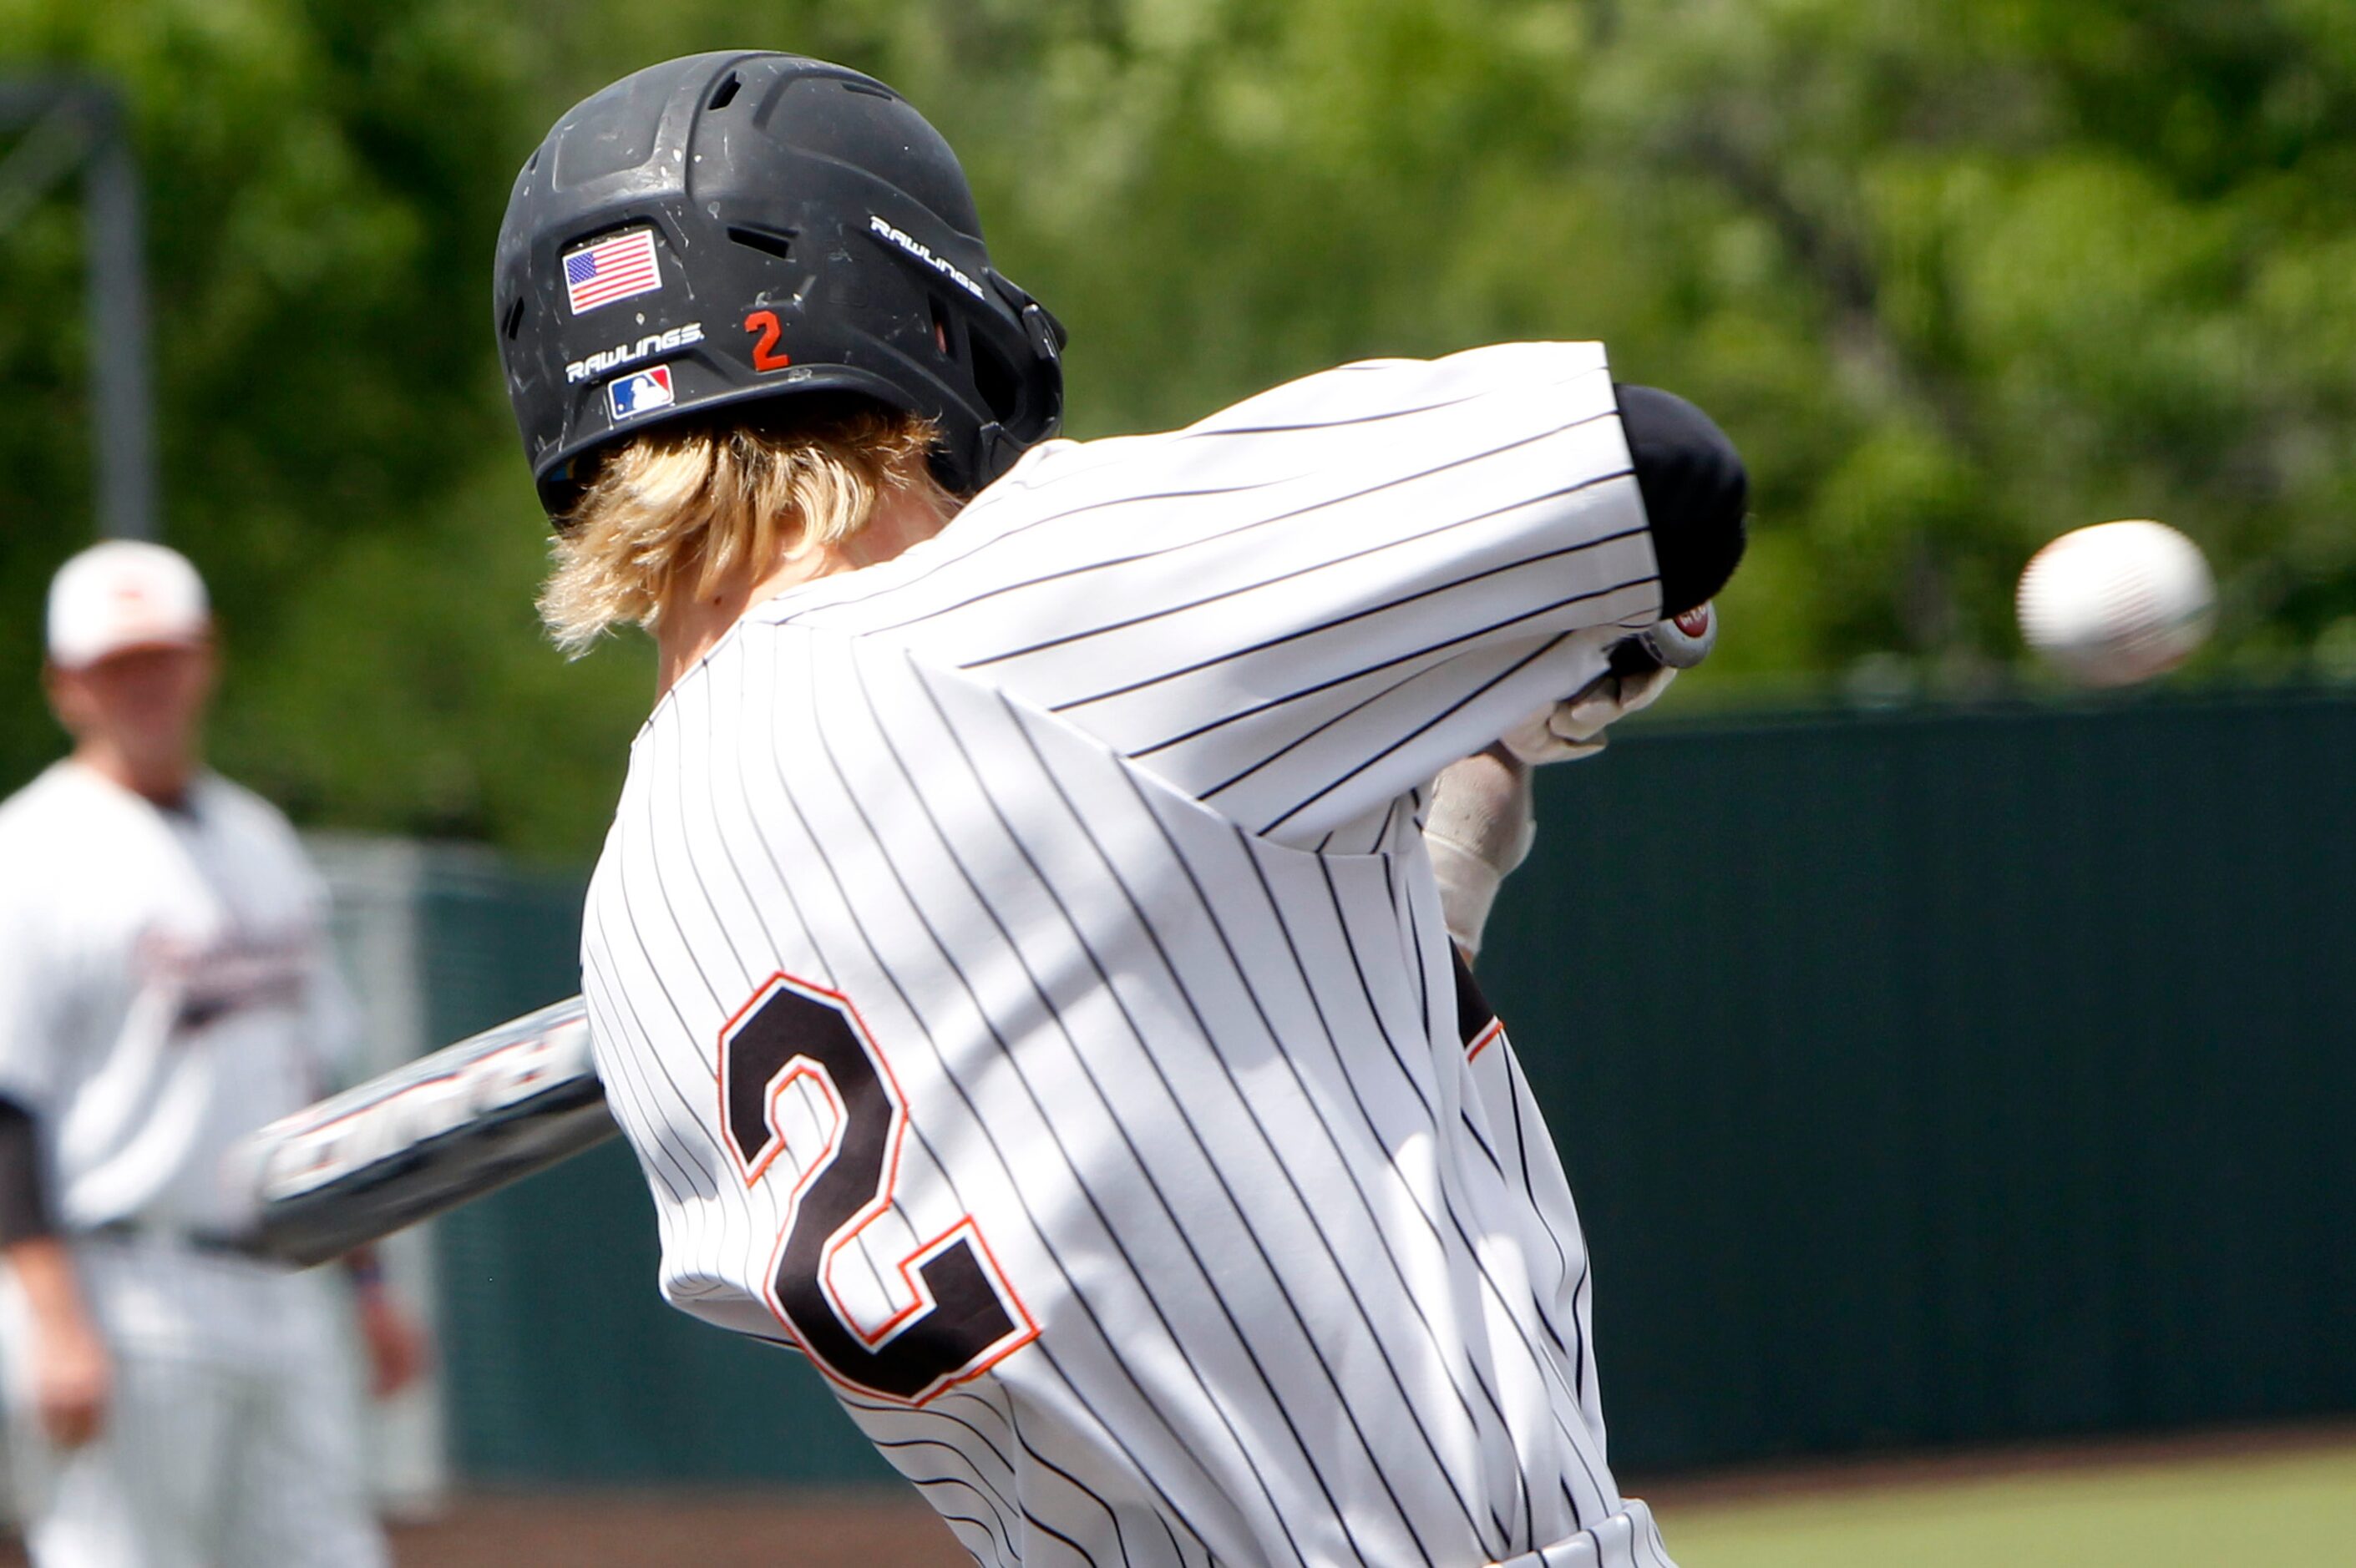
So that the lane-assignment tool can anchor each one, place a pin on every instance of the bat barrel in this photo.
(438, 1132)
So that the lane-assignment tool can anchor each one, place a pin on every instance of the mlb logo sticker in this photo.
(639, 392)
(611, 270)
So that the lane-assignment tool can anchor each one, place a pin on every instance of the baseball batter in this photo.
(1016, 959)
(165, 989)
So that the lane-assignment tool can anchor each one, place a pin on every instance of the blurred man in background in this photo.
(165, 988)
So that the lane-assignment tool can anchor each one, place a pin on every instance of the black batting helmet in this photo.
(738, 228)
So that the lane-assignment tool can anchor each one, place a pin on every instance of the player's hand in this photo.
(72, 1380)
(1478, 826)
(1565, 730)
(397, 1351)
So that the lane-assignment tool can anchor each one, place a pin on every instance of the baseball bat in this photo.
(423, 1138)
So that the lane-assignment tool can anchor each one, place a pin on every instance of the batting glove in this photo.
(1571, 729)
(1478, 826)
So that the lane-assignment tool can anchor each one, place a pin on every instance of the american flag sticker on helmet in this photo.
(612, 268)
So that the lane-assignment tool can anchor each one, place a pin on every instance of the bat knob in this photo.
(1680, 642)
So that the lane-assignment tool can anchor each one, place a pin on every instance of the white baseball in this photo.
(2118, 602)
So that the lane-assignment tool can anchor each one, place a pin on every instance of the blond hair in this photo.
(675, 510)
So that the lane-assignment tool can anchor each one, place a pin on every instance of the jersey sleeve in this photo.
(1306, 605)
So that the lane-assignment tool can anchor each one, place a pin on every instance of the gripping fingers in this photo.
(1574, 728)
(1642, 668)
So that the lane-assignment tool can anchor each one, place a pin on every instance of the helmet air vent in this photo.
(725, 93)
(994, 379)
(766, 240)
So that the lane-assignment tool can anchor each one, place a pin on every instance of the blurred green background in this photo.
(1956, 276)
(1969, 1068)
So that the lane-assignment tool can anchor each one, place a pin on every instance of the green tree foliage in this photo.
(1955, 275)
(323, 183)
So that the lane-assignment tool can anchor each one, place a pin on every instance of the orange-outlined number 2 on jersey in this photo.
(960, 1316)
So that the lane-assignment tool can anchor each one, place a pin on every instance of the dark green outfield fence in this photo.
(1952, 1077)
(1925, 1077)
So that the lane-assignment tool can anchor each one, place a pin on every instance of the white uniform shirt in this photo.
(1018, 970)
(166, 988)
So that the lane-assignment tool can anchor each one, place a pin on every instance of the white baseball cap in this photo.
(124, 594)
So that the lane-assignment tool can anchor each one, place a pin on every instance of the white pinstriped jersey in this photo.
(166, 988)
(1018, 970)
